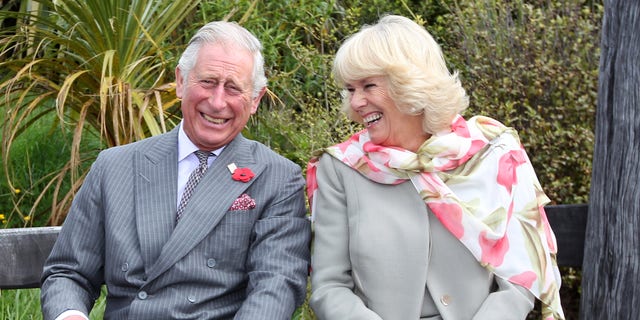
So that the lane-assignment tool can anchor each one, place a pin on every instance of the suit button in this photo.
(211, 263)
(191, 298)
(124, 267)
(142, 295)
(445, 300)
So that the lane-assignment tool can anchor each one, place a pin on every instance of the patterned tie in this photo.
(194, 178)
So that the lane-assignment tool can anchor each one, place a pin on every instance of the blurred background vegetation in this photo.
(78, 76)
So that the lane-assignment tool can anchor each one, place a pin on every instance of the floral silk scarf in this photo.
(477, 179)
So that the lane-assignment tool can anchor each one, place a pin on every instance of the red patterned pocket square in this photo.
(244, 202)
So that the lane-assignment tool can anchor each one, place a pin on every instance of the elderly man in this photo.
(197, 223)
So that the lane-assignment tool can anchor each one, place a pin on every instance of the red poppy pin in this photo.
(240, 174)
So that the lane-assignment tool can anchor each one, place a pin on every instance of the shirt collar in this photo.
(186, 147)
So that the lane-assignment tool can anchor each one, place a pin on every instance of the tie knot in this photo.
(202, 156)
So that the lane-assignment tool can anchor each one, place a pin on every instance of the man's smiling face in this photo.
(216, 95)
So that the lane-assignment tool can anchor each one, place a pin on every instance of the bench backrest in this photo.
(22, 255)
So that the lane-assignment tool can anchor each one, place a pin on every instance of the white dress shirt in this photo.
(188, 161)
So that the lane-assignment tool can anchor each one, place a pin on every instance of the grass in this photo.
(24, 304)
(20, 304)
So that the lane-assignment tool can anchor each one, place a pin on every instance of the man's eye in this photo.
(233, 90)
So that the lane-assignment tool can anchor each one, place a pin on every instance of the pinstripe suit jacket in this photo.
(214, 264)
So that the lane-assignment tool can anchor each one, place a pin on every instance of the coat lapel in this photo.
(155, 194)
(211, 200)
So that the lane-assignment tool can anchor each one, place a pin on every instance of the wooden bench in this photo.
(24, 250)
(569, 224)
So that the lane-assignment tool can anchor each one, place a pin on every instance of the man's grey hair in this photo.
(227, 33)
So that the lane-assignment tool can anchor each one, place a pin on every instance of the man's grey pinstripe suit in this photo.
(212, 264)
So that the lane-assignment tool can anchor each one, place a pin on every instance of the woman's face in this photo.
(387, 125)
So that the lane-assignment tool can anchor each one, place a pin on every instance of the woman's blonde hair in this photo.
(413, 64)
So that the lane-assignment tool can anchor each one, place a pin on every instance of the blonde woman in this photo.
(424, 214)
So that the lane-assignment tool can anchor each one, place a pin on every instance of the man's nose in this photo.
(217, 97)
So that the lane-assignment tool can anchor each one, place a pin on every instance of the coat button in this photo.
(445, 300)
(211, 263)
(191, 298)
(124, 267)
(142, 295)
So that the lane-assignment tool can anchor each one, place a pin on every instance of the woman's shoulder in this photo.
(327, 162)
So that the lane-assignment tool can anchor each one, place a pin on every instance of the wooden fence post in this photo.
(611, 265)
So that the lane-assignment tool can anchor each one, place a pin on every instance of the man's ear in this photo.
(256, 101)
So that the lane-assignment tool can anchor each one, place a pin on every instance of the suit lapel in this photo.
(211, 200)
(155, 194)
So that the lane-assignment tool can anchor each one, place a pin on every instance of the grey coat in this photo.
(214, 264)
(378, 253)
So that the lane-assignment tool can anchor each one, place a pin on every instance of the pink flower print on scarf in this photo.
(509, 163)
(493, 250)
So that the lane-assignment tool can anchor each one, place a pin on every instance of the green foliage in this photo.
(534, 66)
(101, 67)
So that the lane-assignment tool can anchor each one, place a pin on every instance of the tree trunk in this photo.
(611, 265)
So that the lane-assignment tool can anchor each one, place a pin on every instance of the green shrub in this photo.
(535, 68)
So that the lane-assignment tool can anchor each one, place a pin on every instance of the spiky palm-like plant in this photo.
(103, 67)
